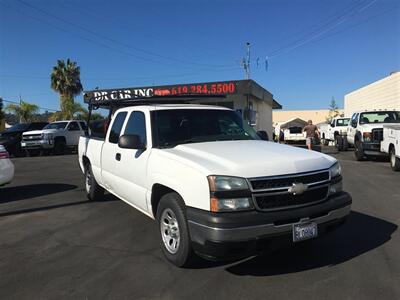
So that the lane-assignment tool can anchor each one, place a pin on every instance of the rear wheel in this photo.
(394, 161)
(175, 240)
(94, 191)
(345, 143)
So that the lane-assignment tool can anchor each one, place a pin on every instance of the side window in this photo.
(116, 127)
(73, 126)
(137, 125)
(83, 125)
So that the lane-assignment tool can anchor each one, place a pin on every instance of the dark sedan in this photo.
(11, 137)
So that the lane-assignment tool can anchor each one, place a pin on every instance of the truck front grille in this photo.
(286, 200)
(280, 182)
(31, 137)
(377, 135)
(272, 193)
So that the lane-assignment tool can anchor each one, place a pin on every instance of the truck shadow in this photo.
(22, 192)
(360, 234)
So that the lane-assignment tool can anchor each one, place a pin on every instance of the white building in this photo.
(381, 94)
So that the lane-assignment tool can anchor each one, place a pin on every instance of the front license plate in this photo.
(303, 232)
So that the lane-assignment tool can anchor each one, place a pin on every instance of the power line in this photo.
(116, 41)
(359, 7)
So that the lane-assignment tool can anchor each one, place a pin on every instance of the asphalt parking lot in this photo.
(55, 245)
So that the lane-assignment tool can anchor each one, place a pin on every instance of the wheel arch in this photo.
(158, 190)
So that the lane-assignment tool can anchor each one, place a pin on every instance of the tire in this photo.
(174, 232)
(358, 151)
(59, 147)
(394, 161)
(339, 142)
(345, 143)
(94, 192)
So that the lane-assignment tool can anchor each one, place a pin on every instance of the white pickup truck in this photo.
(365, 131)
(55, 137)
(335, 131)
(215, 188)
(391, 144)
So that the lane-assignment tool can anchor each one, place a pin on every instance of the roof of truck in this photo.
(151, 107)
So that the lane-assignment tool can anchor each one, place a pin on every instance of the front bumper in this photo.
(373, 149)
(37, 144)
(228, 235)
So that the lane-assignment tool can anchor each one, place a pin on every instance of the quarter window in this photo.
(117, 127)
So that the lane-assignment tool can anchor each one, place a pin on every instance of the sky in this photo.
(315, 50)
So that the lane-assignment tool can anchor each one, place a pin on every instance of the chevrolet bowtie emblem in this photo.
(297, 189)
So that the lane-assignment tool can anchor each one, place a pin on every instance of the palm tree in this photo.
(65, 80)
(25, 111)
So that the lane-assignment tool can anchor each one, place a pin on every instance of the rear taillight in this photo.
(3, 152)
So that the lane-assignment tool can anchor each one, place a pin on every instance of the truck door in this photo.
(132, 165)
(73, 134)
(352, 128)
(110, 166)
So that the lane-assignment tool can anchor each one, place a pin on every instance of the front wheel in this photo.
(175, 239)
(59, 147)
(394, 161)
(358, 151)
(94, 191)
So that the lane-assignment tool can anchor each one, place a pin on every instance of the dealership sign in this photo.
(210, 88)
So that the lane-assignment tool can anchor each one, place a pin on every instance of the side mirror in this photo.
(332, 125)
(354, 123)
(131, 141)
(263, 135)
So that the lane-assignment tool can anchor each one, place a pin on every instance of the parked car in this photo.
(215, 190)
(337, 128)
(391, 144)
(6, 167)
(55, 137)
(365, 132)
(11, 137)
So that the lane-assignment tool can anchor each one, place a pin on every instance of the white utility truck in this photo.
(215, 188)
(391, 144)
(336, 128)
(365, 131)
(291, 131)
(55, 137)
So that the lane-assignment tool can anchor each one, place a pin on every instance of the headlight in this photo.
(335, 170)
(48, 136)
(229, 194)
(367, 137)
(226, 183)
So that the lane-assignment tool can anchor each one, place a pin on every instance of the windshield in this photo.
(380, 117)
(18, 127)
(58, 125)
(182, 126)
(342, 122)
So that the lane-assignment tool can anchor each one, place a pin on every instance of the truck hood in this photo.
(368, 127)
(42, 131)
(248, 158)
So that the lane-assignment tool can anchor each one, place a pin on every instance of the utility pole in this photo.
(246, 62)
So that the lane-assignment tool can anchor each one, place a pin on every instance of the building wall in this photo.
(317, 116)
(381, 94)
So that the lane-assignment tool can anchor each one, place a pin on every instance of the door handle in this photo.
(118, 156)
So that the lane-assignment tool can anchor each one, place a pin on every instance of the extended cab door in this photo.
(132, 163)
(109, 158)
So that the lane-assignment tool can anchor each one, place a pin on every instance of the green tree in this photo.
(25, 111)
(333, 110)
(65, 80)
